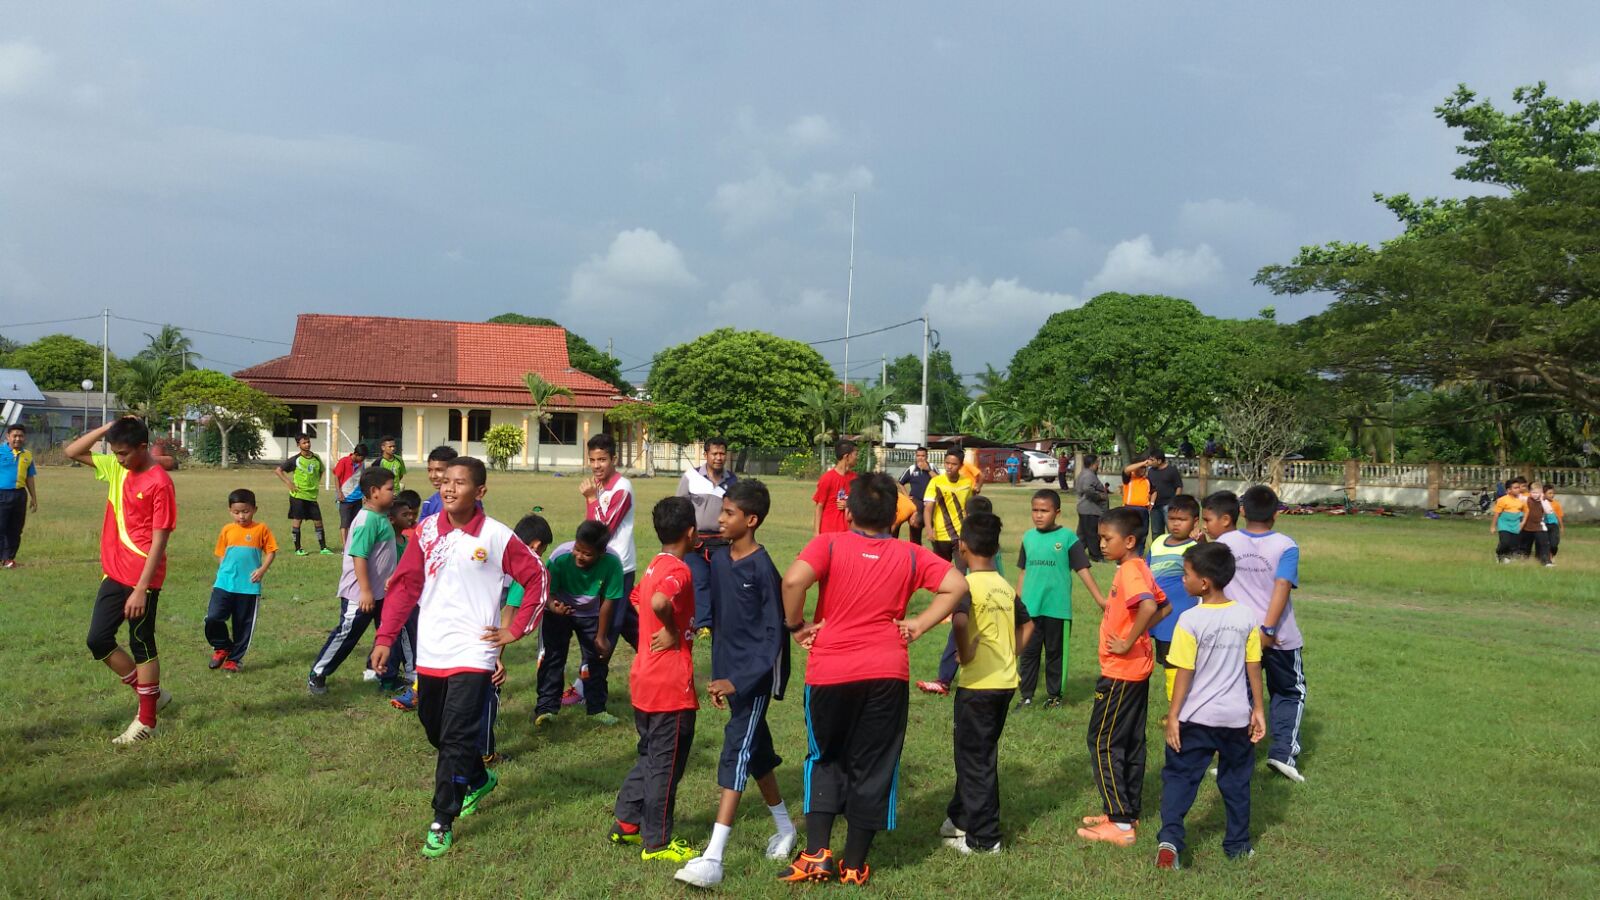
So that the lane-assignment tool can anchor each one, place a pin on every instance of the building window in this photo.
(290, 427)
(561, 429)
(477, 424)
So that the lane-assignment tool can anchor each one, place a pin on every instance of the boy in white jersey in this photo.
(608, 499)
(452, 571)
(1268, 570)
(1216, 705)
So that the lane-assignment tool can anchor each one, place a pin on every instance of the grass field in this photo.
(1451, 735)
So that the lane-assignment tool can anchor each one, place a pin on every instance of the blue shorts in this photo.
(747, 742)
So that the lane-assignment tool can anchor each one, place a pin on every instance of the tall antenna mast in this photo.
(849, 289)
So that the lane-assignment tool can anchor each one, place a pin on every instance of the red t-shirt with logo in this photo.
(137, 504)
(664, 682)
(827, 493)
(865, 584)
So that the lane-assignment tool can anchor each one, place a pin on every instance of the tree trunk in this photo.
(224, 433)
(538, 435)
(1124, 445)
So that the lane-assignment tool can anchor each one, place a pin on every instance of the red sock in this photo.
(132, 679)
(625, 828)
(148, 695)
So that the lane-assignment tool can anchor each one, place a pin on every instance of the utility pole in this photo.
(849, 289)
(609, 354)
(924, 361)
(105, 364)
(883, 371)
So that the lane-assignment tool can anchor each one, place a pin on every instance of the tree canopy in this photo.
(223, 401)
(60, 362)
(947, 397)
(742, 385)
(580, 353)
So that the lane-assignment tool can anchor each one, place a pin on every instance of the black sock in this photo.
(322, 538)
(296, 533)
(857, 841)
(819, 832)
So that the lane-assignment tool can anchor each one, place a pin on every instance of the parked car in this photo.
(1038, 465)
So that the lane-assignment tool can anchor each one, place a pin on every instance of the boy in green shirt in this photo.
(302, 484)
(391, 460)
(1045, 563)
(585, 586)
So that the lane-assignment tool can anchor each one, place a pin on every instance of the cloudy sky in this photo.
(646, 172)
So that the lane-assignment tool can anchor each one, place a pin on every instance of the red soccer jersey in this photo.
(865, 584)
(137, 503)
(829, 487)
(664, 682)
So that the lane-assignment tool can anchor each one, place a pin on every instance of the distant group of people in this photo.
(1526, 521)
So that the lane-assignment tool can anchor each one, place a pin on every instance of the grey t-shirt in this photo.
(1092, 494)
(706, 496)
(1216, 642)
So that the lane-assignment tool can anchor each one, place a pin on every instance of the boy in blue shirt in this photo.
(749, 665)
(246, 549)
(1165, 556)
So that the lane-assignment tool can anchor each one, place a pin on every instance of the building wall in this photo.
(423, 428)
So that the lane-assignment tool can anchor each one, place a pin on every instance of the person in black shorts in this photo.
(302, 475)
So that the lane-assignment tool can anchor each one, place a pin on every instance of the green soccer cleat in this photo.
(437, 842)
(603, 718)
(677, 850)
(619, 837)
(327, 552)
(470, 804)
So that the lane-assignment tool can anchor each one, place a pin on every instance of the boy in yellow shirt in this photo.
(1505, 519)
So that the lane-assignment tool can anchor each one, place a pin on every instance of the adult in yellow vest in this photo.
(1136, 496)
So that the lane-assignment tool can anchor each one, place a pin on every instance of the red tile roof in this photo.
(424, 362)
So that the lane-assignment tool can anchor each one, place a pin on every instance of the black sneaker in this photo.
(1053, 703)
(1024, 703)
(317, 685)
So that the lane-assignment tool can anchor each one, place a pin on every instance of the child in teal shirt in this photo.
(1049, 557)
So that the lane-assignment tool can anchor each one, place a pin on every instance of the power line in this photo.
(860, 334)
(240, 337)
(48, 322)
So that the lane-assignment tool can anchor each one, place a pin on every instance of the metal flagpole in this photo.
(924, 362)
(105, 364)
(849, 289)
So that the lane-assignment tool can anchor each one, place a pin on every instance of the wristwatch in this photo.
(796, 626)
(1270, 631)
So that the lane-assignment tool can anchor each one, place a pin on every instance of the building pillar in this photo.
(333, 426)
(1352, 478)
(465, 429)
(422, 436)
(1435, 481)
(1204, 475)
(525, 441)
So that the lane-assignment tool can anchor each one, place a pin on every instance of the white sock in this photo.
(1123, 826)
(719, 841)
(780, 818)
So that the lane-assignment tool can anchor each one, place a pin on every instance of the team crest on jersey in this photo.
(480, 555)
(1058, 546)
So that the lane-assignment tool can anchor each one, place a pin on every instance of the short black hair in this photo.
(359, 450)
(16, 426)
(592, 533)
(1090, 459)
(375, 477)
(750, 497)
(604, 441)
(672, 517)
(1516, 479)
(303, 436)
(1124, 520)
(242, 495)
(1211, 560)
(1223, 503)
(1260, 504)
(843, 449)
(479, 473)
(387, 439)
(409, 499)
(442, 453)
(954, 451)
(922, 450)
(127, 432)
(980, 504)
(1184, 503)
(874, 498)
(1050, 494)
(1157, 456)
(981, 533)
(532, 527)
(716, 442)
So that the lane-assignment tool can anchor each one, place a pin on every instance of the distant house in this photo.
(51, 417)
(429, 382)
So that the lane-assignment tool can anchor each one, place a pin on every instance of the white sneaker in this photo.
(949, 830)
(164, 700)
(781, 845)
(701, 872)
(959, 844)
(1286, 770)
(369, 675)
(137, 731)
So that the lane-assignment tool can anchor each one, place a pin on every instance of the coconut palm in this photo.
(992, 383)
(870, 407)
(171, 347)
(143, 379)
(544, 394)
(823, 406)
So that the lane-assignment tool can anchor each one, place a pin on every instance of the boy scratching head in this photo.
(1207, 569)
(744, 507)
(438, 459)
(465, 482)
(242, 506)
(533, 530)
(1118, 533)
(1220, 512)
(377, 489)
(873, 502)
(129, 441)
(980, 540)
(589, 544)
(404, 511)
(1183, 514)
(673, 518)
(1045, 508)
(1260, 505)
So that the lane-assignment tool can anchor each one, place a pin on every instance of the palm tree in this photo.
(171, 347)
(543, 393)
(143, 379)
(822, 405)
(992, 383)
(992, 420)
(870, 407)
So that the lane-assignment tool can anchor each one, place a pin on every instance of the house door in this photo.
(378, 422)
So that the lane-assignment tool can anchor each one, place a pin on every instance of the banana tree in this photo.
(544, 394)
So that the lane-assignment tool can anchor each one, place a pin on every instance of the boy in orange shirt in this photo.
(1121, 696)
(246, 549)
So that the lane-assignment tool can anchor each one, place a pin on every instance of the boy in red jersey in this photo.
(662, 685)
(141, 512)
(858, 675)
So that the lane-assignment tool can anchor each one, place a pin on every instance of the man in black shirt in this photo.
(916, 480)
(1165, 483)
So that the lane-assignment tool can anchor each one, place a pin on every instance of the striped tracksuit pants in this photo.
(1117, 745)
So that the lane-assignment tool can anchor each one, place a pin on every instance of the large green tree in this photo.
(1143, 369)
(744, 385)
(60, 362)
(947, 397)
(580, 353)
(222, 402)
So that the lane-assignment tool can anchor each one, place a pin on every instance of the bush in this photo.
(802, 464)
(244, 444)
(501, 443)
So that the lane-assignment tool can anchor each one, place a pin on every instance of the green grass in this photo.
(1451, 736)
